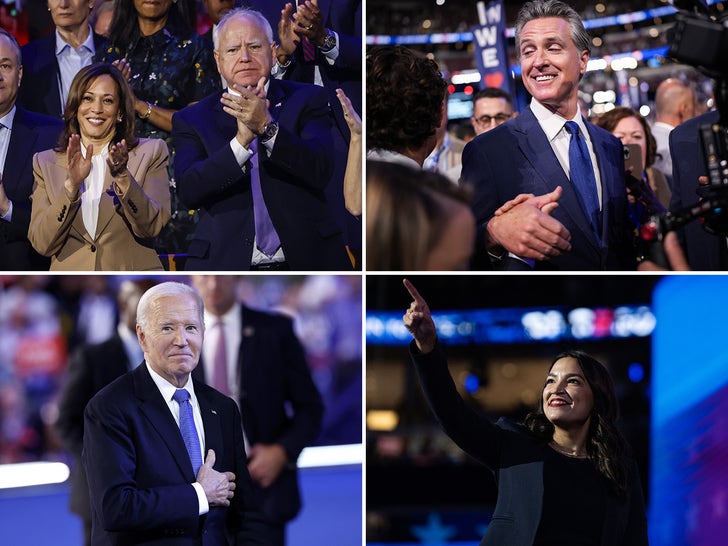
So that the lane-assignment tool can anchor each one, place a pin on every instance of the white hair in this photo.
(243, 12)
(162, 290)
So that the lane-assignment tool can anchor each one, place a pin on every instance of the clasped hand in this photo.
(219, 487)
(249, 106)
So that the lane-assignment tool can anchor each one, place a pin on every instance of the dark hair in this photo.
(553, 8)
(605, 445)
(84, 78)
(125, 22)
(404, 95)
(610, 120)
(406, 214)
(493, 93)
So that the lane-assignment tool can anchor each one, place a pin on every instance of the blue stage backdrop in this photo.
(689, 474)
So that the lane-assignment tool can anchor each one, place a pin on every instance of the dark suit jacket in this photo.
(274, 375)
(91, 368)
(516, 157)
(39, 90)
(702, 249)
(140, 475)
(517, 461)
(30, 133)
(293, 180)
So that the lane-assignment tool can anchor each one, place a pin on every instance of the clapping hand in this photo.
(418, 320)
(352, 118)
(79, 166)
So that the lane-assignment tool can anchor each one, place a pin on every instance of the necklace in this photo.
(566, 452)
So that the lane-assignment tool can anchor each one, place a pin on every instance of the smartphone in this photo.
(633, 160)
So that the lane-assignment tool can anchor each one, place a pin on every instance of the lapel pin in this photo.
(213, 411)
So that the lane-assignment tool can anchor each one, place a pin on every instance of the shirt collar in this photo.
(233, 92)
(379, 154)
(553, 123)
(8, 118)
(62, 44)
(227, 318)
(166, 388)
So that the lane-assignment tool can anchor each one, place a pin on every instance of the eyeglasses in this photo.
(488, 120)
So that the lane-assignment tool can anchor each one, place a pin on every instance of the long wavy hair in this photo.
(605, 445)
(124, 129)
(125, 22)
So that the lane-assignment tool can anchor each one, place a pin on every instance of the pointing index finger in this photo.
(413, 292)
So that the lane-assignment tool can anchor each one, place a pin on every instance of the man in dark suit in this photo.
(28, 133)
(530, 154)
(333, 29)
(278, 130)
(51, 63)
(703, 250)
(264, 368)
(146, 433)
(91, 368)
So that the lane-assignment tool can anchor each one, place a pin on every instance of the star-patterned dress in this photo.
(170, 72)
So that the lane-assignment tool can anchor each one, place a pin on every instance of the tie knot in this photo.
(572, 127)
(181, 395)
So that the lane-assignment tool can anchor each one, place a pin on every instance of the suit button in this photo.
(60, 219)
(93, 248)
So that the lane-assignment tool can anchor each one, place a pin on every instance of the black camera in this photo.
(702, 42)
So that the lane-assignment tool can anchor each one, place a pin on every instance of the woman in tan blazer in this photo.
(102, 195)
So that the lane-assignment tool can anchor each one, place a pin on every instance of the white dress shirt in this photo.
(5, 132)
(167, 391)
(71, 60)
(92, 189)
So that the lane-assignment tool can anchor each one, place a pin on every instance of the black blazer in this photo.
(702, 249)
(293, 181)
(39, 89)
(140, 476)
(516, 157)
(91, 368)
(274, 376)
(30, 133)
(517, 462)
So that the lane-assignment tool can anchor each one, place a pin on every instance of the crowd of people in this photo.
(228, 150)
(549, 186)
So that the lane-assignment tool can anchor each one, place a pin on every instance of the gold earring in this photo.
(118, 120)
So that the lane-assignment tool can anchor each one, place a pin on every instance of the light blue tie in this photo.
(582, 176)
(265, 233)
(187, 428)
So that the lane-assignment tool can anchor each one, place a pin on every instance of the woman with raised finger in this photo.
(102, 194)
(565, 475)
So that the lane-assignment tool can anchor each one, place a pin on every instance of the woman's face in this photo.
(152, 9)
(630, 131)
(567, 397)
(99, 110)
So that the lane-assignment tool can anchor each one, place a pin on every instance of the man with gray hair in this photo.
(255, 160)
(147, 434)
(550, 149)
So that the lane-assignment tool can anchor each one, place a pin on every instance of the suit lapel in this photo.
(210, 420)
(601, 151)
(275, 96)
(537, 149)
(157, 412)
(21, 145)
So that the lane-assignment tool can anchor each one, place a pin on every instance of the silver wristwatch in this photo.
(329, 41)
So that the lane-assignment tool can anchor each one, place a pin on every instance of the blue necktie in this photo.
(187, 428)
(266, 238)
(582, 176)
